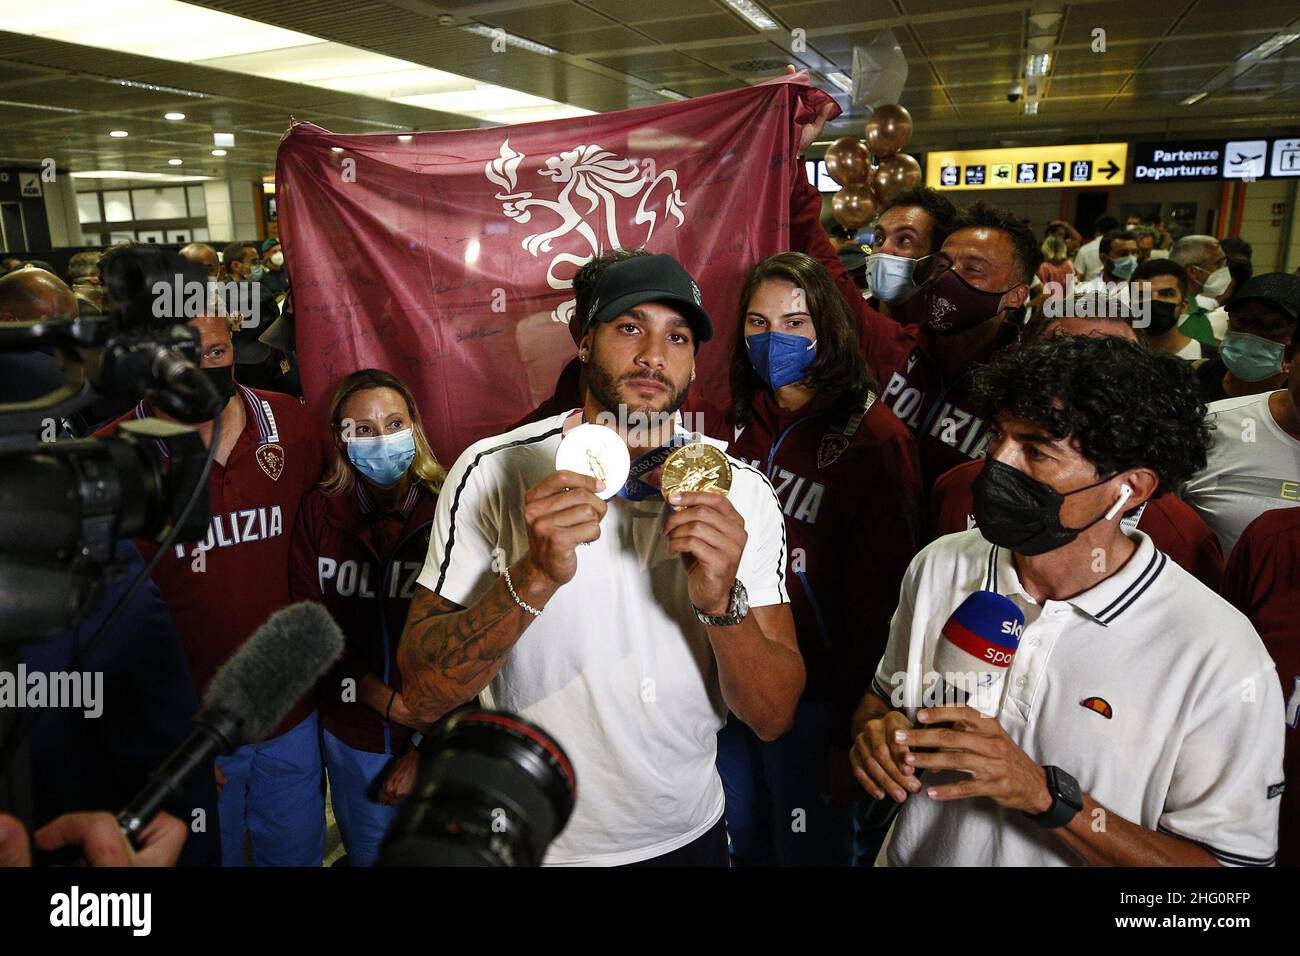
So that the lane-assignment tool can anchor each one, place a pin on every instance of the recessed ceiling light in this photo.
(218, 152)
(406, 138)
(118, 133)
(1193, 99)
(146, 177)
(753, 14)
(174, 116)
(492, 33)
(1270, 46)
(174, 162)
(223, 139)
(670, 94)
(336, 149)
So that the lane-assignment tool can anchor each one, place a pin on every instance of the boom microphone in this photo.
(248, 697)
(975, 648)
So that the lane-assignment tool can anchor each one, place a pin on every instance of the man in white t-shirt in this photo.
(630, 650)
(1253, 463)
(1087, 261)
(1139, 718)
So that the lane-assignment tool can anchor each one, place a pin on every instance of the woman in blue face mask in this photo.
(846, 474)
(359, 544)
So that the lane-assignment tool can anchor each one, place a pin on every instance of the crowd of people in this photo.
(738, 678)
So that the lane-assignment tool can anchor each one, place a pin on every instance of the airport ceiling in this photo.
(59, 99)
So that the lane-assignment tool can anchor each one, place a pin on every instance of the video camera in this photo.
(64, 503)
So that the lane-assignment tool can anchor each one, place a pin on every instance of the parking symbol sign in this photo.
(1080, 171)
(1027, 172)
(948, 175)
(1053, 172)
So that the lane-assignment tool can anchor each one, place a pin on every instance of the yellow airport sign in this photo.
(1028, 167)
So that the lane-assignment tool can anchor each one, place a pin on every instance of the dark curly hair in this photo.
(838, 369)
(1127, 407)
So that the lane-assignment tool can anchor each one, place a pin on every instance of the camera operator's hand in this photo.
(99, 837)
(401, 778)
(562, 512)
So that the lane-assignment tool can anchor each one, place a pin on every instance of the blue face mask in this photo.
(384, 459)
(1251, 358)
(780, 359)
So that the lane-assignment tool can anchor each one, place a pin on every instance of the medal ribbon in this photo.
(638, 490)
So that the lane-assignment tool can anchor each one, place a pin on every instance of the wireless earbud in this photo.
(1125, 493)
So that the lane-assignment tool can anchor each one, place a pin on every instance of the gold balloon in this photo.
(848, 161)
(894, 174)
(888, 129)
(854, 206)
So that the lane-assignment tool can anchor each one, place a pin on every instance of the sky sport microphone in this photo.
(975, 648)
(248, 697)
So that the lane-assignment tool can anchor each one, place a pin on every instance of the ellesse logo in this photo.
(1098, 705)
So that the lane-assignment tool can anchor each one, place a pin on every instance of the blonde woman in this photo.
(359, 544)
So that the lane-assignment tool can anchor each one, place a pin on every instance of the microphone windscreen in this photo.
(982, 635)
(275, 667)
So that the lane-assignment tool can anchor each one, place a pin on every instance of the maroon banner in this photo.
(447, 257)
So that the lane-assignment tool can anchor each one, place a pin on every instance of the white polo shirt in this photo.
(1193, 743)
(1252, 466)
(617, 667)
(1087, 261)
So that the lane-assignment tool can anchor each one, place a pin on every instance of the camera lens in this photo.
(494, 790)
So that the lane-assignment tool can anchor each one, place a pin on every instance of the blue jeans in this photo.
(275, 791)
(355, 775)
(777, 812)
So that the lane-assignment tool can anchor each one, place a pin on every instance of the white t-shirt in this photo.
(1087, 261)
(1193, 742)
(1191, 351)
(1252, 466)
(617, 667)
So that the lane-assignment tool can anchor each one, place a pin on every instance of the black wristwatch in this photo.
(1067, 800)
(736, 611)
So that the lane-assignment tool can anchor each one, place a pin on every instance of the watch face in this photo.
(741, 598)
(1068, 789)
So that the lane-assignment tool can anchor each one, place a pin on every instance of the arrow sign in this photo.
(1110, 169)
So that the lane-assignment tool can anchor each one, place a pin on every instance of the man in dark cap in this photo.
(631, 649)
(1262, 320)
(274, 277)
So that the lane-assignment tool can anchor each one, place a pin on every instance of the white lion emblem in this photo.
(597, 176)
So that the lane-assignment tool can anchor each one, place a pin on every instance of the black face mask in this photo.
(1020, 513)
(222, 379)
(1163, 317)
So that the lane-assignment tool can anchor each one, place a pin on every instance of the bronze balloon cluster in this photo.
(868, 188)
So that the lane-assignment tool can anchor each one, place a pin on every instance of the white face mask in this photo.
(1216, 283)
(277, 259)
(890, 277)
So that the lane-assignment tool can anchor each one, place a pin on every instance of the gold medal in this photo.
(696, 467)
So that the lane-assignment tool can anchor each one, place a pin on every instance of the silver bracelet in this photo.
(527, 607)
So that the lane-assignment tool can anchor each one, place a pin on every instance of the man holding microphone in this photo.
(624, 624)
(1138, 721)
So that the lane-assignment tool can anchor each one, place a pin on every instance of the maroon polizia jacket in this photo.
(361, 563)
(1173, 526)
(937, 409)
(220, 596)
(853, 519)
(1262, 580)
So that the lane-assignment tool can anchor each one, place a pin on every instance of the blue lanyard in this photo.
(637, 490)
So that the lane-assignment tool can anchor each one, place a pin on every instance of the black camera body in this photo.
(65, 503)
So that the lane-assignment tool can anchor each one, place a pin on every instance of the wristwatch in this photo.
(1067, 800)
(736, 611)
